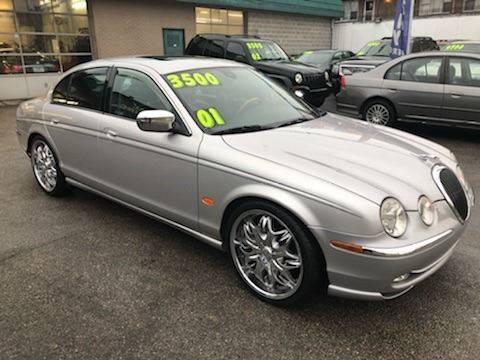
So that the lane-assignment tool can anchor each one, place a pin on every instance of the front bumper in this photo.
(315, 97)
(370, 275)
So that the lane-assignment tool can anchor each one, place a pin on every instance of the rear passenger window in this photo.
(394, 72)
(134, 92)
(235, 51)
(425, 70)
(215, 48)
(87, 87)
(60, 93)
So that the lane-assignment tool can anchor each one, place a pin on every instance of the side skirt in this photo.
(206, 239)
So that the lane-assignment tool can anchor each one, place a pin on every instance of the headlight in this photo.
(426, 209)
(298, 78)
(335, 69)
(393, 217)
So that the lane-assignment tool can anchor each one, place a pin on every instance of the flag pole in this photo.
(410, 22)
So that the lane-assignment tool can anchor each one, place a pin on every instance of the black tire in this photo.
(313, 282)
(60, 187)
(384, 107)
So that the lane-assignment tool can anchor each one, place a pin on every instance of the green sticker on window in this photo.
(454, 47)
(373, 43)
(209, 118)
(183, 79)
(308, 52)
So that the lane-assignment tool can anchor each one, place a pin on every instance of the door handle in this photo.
(111, 133)
(456, 96)
(392, 90)
(54, 121)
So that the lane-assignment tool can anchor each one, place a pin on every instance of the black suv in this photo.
(267, 56)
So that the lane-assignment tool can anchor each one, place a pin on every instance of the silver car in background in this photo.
(216, 149)
(437, 87)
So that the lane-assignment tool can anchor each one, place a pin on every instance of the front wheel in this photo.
(379, 112)
(274, 255)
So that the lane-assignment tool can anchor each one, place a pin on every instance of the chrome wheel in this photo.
(266, 254)
(378, 114)
(44, 165)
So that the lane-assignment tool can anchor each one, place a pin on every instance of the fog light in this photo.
(402, 277)
(299, 93)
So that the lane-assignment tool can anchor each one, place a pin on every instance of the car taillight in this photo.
(343, 82)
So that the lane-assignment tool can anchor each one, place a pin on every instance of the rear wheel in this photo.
(379, 112)
(46, 169)
(273, 254)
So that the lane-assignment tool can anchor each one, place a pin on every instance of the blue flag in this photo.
(401, 28)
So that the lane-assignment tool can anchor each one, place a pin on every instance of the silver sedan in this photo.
(303, 201)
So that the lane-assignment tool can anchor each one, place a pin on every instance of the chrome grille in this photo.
(452, 190)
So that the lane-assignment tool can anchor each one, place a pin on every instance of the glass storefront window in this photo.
(74, 44)
(69, 6)
(7, 22)
(11, 65)
(71, 24)
(44, 36)
(6, 5)
(8, 44)
(42, 64)
(70, 61)
(39, 43)
(28, 22)
(33, 5)
(219, 21)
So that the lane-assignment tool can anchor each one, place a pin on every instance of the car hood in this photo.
(285, 66)
(371, 161)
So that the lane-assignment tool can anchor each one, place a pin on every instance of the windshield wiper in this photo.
(241, 129)
(293, 122)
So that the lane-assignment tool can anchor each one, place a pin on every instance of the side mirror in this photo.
(156, 120)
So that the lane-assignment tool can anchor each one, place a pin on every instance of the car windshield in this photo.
(472, 48)
(265, 50)
(234, 99)
(376, 48)
(316, 57)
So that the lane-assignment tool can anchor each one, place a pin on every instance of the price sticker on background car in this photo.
(186, 79)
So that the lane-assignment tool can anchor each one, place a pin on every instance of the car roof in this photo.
(163, 64)
(440, 53)
(240, 38)
(463, 42)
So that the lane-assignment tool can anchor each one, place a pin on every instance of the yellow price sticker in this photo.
(209, 118)
(181, 80)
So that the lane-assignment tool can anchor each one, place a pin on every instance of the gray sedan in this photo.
(220, 151)
(439, 87)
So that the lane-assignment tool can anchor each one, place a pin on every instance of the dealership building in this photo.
(40, 39)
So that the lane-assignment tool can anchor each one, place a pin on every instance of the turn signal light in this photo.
(347, 246)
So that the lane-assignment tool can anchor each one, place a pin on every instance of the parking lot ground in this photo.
(82, 277)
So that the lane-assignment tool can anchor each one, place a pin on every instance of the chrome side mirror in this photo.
(156, 120)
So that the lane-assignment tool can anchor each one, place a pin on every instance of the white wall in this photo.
(353, 35)
(22, 87)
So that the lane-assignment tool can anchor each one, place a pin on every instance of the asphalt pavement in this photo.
(82, 277)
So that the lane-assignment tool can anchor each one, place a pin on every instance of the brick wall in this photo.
(124, 27)
(295, 33)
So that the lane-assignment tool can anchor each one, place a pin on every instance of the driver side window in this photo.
(133, 92)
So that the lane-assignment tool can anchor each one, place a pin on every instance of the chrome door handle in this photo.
(456, 96)
(111, 133)
(54, 121)
(392, 90)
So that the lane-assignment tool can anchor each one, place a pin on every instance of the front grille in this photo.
(315, 81)
(452, 189)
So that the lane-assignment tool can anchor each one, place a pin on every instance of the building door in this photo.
(173, 42)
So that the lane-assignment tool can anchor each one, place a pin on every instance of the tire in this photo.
(278, 271)
(46, 169)
(379, 112)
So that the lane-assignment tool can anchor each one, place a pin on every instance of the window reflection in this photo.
(6, 5)
(7, 22)
(42, 64)
(33, 5)
(70, 6)
(35, 22)
(219, 21)
(8, 44)
(71, 24)
(39, 44)
(11, 65)
(74, 44)
(70, 61)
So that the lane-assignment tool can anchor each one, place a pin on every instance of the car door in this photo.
(154, 171)
(462, 90)
(72, 121)
(416, 87)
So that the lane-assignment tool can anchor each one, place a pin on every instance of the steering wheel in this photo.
(255, 101)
